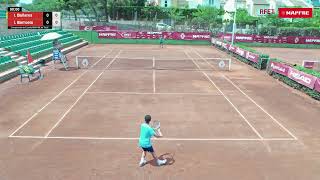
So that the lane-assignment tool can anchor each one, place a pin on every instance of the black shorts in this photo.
(148, 149)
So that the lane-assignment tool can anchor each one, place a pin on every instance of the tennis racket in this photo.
(156, 126)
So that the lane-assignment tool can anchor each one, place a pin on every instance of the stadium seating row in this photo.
(39, 48)
(7, 63)
(17, 36)
(31, 44)
(20, 43)
(12, 42)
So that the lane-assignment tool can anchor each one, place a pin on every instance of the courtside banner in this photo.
(117, 35)
(272, 39)
(317, 85)
(279, 68)
(252, 57)
(295, 12)
(154, 35)
(302, 78)
(232, 48)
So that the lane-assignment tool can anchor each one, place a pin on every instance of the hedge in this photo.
(311, 92)
(289, 31)
(278, 45)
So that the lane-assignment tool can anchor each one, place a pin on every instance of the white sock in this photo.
(143, 159)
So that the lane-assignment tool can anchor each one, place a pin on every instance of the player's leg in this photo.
(159, 161)
(143, 160)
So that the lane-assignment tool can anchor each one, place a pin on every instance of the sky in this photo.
(26, 1)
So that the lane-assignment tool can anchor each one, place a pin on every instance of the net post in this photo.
(77, 62)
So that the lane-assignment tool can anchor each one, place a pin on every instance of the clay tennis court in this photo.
(217, 124)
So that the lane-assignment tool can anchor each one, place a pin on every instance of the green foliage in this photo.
(207, 16)
(44, 5)
(243, 17)
(3, 2)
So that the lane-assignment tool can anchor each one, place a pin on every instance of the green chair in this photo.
(28, 71)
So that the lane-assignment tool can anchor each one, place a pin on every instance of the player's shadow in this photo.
(168, 156)
(69, 69)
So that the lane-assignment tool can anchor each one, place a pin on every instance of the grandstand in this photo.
(13, 49)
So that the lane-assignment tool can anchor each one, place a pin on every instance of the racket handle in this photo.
(159, 133)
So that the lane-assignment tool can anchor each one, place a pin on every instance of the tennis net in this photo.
(127, 63)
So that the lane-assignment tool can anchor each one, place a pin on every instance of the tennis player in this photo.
(146, 133)
(161, 41)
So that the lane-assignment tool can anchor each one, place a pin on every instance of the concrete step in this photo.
(10, 54)
(19, 59)
(14, 56)
(4, 52)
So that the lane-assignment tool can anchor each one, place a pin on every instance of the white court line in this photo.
(238, 88)
(113, 59)
(243, 117)
(154, 74)
(276, 121)
(78, 99)
(58, 95)
(146, 93)
(156, 139)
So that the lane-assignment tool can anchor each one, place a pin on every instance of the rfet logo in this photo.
(295, 12)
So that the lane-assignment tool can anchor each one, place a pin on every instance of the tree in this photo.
(244, 18)
(44, 5)
(105, 8)
(209, 17)
(4, 2)
(176, 15)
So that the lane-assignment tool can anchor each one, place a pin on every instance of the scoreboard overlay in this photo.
(32, 20)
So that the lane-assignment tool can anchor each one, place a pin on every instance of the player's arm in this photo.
(156, 134)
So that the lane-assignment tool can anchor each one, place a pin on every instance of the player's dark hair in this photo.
(147, 119)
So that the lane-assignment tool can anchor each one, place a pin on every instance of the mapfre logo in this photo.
(295, 12)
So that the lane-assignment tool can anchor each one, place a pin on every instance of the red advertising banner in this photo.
(98, 28)
(240, 52)
(252, 57)
(232, 48)
(317, 85)
(279, 68)
(295, 12)
(272, 39)
(117, 35)
(155, 35)
(191, 35)
(302, 78)
(245, 54)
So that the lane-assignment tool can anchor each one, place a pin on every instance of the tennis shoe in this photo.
(142, 162)
(161, 162)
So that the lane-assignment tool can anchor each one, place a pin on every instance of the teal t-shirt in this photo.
(161, 39)
(146, 132)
